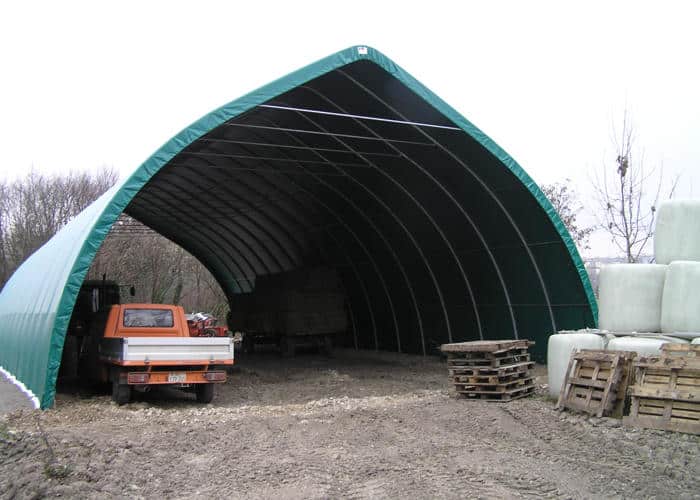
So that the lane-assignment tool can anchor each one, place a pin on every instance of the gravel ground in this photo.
(359, 425)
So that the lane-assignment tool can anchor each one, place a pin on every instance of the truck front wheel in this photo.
(204, 393)
(121, 393)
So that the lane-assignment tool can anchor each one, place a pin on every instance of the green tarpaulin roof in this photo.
(438, 234)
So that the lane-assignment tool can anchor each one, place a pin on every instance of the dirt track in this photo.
(359, 425)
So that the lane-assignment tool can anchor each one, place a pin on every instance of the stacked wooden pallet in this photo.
(596, 382)
(492, 370)
(666, 393)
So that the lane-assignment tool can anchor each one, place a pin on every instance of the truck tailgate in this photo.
(173, 349)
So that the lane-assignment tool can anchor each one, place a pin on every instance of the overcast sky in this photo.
(86, 84)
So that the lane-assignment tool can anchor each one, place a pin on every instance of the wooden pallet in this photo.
(685, 350)
(492, 370)
(596, 382)
(457, 361)
(486, 346)
(490, 379)
(505, 396)
(666, 393)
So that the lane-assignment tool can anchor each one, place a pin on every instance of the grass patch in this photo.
(57, 471)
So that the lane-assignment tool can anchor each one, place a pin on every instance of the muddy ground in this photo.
(358, 425)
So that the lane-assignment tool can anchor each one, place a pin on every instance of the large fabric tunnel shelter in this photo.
(437, 233)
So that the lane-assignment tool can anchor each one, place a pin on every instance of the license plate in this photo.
(176, 378)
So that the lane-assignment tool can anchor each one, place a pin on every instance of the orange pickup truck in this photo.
(150, 344)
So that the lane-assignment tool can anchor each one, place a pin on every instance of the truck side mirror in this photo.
(132, 291)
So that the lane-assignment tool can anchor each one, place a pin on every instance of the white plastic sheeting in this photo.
(643, 346)
(677, 232)
(681, 298)
(559, 349)
(630, 297)
(11, 378)
(696, 341)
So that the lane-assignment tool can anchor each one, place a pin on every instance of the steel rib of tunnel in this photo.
(212, 230)
(227, 262)
(374, 264)
(271, 221)
(383, 281)
(389, 247)
(216, 250)
(386, 242)
(283, 248)
(341, 248)
(202, 172)
(207, 261)
(369, 256)
(301, 224)
(417, 203)
(435, 225)
(410, 235)
(479, 180)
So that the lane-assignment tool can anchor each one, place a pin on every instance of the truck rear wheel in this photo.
(121, 393)
(204, 393)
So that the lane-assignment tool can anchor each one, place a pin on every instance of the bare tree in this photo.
(628, 198)
(567, 205)
(160, 270)
(4, 264)
(37, 206)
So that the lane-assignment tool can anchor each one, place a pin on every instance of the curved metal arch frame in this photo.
(403, 155)
(269, 218)
(258, 241)
(420, 206)
(340, 247)
(374, 264)
(347, 257)
(184, 219)
(294, 216)
(481, 183)
(359, 241)
(364, 288)
(410, 235)
(372, 224)
(205, 260)
(212, 230)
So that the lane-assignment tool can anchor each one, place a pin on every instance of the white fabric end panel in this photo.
(680, 310)
(630, 297)
(677, 232)
(559, 349)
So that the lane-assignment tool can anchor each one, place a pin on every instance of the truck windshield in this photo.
(140, 318)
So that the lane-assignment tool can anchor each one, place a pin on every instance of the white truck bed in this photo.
(175, 349)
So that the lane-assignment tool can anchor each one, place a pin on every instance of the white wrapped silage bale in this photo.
(643, 346)
(559, 349)
(630, 297)
(696, 341)
(677, 232)
(680, 311)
